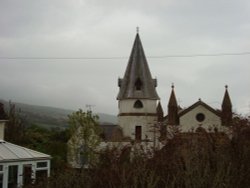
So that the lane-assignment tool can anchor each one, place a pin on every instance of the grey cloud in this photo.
(97, 28)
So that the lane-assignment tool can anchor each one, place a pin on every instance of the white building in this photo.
(19, 165)
(199, 115)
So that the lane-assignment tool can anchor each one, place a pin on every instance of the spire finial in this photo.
(172, 86)
(226, 86)
(137, 29)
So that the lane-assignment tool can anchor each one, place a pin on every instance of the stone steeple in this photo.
(226, 109)
(173, 109)
(137, 81)
(137, 97)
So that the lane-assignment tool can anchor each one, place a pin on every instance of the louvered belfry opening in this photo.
(138, 84)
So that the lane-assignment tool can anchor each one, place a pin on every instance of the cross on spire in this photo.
(137, 29)
(172, 86)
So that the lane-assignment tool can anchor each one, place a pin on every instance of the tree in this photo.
(15, 127)
(84, 131)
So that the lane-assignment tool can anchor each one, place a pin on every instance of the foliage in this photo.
(14, 129)
(52, 142)
(85, 137)
(188, 161)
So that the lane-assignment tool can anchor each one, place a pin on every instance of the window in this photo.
(138, 133)
(200, 117)
(138, 84)
(12, 176)
(138, 104)
(1, 168)
(1, 180)
(41, 164)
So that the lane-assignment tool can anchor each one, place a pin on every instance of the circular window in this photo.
(200, 117)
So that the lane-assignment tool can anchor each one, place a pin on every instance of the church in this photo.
(142, 125)
(140, 110)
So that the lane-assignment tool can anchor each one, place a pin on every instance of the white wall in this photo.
(129, 122)
(127, 106)
(188, 121)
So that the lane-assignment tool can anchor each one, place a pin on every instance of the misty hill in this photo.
(50, 117)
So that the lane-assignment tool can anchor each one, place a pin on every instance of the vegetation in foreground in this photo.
(189, 161)
(196, 160)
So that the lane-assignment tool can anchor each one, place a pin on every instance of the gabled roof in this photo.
(137, 72)
(12, 152)
(198, 103)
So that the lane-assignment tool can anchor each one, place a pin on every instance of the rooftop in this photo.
(12, 152)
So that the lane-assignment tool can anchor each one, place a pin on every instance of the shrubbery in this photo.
(188, 160)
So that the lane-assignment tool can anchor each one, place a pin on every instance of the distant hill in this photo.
(51, 117)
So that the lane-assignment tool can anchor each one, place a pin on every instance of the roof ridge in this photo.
(199, 102)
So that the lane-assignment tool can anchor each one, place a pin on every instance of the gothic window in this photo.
(138, 84)
(138, 104)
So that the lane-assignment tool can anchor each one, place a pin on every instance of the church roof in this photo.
(12, 152)
(172, 99)
(226, 100)
(137, 81)
(197, 104)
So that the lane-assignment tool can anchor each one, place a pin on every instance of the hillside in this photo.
(50, 117)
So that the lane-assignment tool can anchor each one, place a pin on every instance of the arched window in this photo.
(138, 84)
(138, 104)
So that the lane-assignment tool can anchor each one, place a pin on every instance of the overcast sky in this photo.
(107, 28)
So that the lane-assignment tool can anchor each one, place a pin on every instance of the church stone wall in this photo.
(189, 122)
(128, 119)
(128, 124)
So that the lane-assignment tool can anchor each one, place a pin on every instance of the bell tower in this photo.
(137, 97)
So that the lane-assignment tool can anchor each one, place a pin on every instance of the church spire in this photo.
(137, 81)
(173, 109)
(160, 112)
(226, 109)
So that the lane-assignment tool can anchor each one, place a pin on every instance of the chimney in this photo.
(3, 119)
(2, 124)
